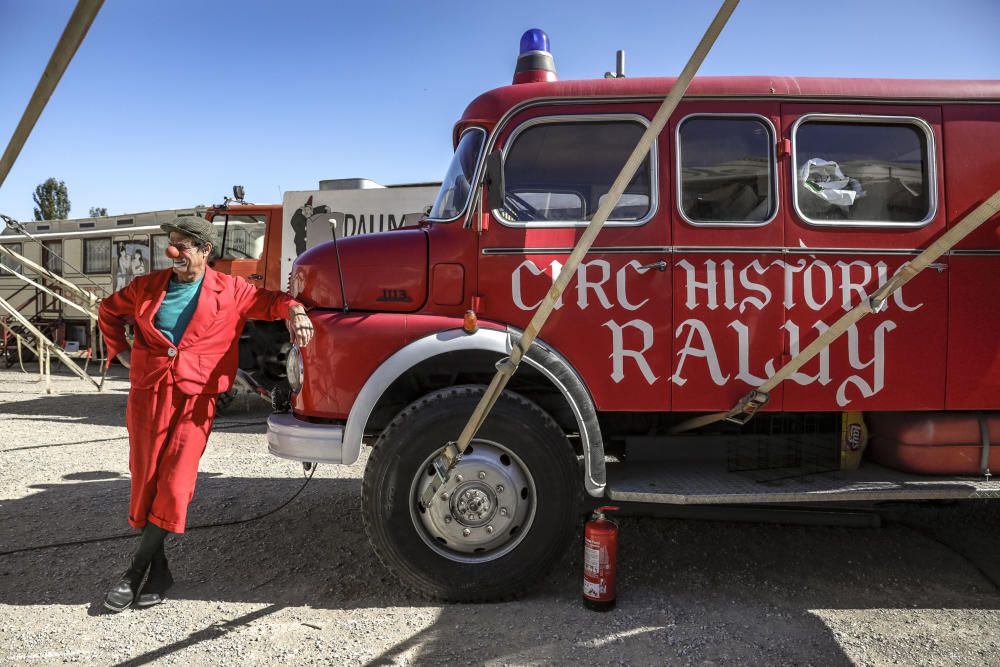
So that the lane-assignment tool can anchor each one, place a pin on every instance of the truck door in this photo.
(728, 259)
(613, 323)
(241, 245)
(866, 196)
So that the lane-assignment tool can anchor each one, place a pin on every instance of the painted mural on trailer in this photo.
(131, 259)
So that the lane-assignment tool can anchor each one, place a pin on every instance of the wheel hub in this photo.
(482, 511)
(473, 505)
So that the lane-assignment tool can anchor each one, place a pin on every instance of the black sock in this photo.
(160, 556)
(150, 544)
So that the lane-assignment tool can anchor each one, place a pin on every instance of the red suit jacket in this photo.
(205, 359)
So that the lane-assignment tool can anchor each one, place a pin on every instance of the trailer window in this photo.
(558, 170)
(52, 256)
(864, 171)
(10, 262)
(726, 170)
(244, 236)
(456, 187)
(158, 256)
(97, 255)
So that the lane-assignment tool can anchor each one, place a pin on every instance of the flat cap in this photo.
(193, 226)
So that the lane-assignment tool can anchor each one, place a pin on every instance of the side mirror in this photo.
(238, 192)
(494, 180)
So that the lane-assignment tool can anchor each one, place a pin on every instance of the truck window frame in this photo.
(474, 183)
(652, 156)
(853, 119)
(225, 245)
(772, 168)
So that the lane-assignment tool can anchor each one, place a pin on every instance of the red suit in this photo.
(171, 403)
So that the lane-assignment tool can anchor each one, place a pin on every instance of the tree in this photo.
(98, 211)
(52, 200)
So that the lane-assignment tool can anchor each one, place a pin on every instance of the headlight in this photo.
(293, 368)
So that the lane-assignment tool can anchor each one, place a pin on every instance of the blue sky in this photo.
(167, 104)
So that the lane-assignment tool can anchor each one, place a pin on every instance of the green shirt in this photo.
(177, 308)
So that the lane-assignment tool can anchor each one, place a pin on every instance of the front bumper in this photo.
(291, 438)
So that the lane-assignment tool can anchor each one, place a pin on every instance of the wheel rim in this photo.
(484, 510)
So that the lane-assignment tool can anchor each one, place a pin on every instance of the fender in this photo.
(541, 357)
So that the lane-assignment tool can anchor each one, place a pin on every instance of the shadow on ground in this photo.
(245, 415)
(716, 590)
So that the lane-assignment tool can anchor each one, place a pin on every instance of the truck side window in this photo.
(244, 236)
(558, 171)
(456, 187)
(726, 170)
(863, 171)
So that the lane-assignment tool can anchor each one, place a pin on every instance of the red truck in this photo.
(769, 207)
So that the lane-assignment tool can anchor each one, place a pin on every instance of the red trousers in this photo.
(167, 434)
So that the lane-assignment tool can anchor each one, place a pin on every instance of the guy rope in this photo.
(747, 406)
(506, 368)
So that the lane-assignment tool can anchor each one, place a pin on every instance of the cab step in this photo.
(710, 484)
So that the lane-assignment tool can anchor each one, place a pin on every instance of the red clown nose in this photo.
(172, 252)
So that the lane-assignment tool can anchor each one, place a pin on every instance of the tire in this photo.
(518, 497)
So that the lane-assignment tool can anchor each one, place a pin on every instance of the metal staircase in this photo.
(32, 317)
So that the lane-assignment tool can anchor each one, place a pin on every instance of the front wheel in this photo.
(503, 519)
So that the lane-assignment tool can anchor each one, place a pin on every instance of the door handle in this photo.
(659, 266)
(255, 276)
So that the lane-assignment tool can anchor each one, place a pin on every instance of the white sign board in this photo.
(310, 216)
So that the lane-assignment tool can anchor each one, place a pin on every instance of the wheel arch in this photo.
(575, 401)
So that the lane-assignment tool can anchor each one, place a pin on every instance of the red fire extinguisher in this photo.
(600, 555)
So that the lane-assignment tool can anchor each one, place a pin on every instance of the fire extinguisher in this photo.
(600, 555)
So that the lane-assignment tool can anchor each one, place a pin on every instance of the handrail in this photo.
(46, 345)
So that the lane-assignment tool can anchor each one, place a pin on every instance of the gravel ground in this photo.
(302, 587)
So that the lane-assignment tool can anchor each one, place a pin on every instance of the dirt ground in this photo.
(301, 586)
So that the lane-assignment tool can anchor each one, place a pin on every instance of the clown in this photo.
(187, 322)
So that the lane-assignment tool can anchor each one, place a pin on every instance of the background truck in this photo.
(256, 242)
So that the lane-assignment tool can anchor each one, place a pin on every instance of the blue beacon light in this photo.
(534, 61)
(534, 40)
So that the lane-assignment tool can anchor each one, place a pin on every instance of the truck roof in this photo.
(489, 107)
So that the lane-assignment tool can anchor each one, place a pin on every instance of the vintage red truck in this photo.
(769, 207)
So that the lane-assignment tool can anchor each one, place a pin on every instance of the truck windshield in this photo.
(456, 186)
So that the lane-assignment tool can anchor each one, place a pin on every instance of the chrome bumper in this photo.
(291, 438)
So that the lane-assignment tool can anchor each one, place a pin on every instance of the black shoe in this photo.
(121, 596)
(157, 584)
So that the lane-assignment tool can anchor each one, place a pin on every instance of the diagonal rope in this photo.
(76, 29)
(507, 367)
(756, 398)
